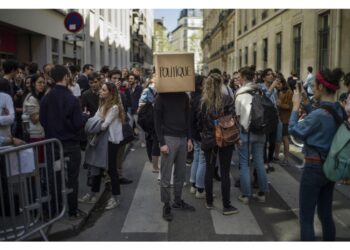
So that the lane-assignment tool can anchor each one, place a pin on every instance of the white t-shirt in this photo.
(75, 89)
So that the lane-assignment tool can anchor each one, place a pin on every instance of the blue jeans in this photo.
(256, 143)
(198, 166)
(315, 189)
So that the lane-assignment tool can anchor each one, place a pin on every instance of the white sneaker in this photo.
(112, 203)
(260, 198)
(88, 198)
(143, 145)
(243, 199)
(193, 190)
(200, 195)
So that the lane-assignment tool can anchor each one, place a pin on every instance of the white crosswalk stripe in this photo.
(146, 208)
(144, 215)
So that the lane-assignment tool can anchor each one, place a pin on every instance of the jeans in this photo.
(112, 171)
(256, 146)
(72, 151)
(198, 166)
(225, 155)
(315, 190)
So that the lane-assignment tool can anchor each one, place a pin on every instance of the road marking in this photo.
(145, 213)
(243, 223)
(288, 189)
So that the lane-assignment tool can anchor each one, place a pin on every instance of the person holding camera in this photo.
(317, 131)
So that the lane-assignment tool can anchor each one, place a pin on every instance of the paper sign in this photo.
(21, 163)
(174, 72)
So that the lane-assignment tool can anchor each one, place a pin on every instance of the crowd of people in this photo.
(60, 101)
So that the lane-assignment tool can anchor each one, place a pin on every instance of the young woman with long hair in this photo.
(317, 131)
(31, 109)
(111, 111)
(216, 102)
(284, 105)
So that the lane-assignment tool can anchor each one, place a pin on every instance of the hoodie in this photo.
(243, 101)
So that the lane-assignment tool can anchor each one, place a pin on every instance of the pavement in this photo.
(139, 216)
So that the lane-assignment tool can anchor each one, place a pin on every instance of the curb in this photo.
(65, 228)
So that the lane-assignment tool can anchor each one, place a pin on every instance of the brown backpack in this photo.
(226, 129)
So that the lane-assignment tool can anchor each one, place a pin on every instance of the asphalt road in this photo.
(139, 217)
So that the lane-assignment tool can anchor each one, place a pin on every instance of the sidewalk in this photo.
(65, 228)
(298, 157)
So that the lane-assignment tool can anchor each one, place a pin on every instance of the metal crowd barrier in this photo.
(32, 189)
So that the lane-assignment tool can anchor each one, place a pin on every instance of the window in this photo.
(297, 48)
(240, 58)
(254, 54)
(245, 20)
(265, 54)
(54, 44)
(323, 53)
(254, 17)
(246, 56)
(64, 48)
(279, 51)
(264, 14)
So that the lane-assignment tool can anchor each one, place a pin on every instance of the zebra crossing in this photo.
(139, 216)
(144, 215)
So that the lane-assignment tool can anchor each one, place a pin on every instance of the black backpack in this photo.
(145, 116)
(264, 118)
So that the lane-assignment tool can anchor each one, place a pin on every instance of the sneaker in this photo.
(183, 206)
(112, 203)
(260, 197)
(200, 195)
(124, 181)
(276, 160)
(88, 198)
(167, 215)
(209, 206)
(78, 215)
(193, 190)
(143, 145)
(229, 210)
(244, 199)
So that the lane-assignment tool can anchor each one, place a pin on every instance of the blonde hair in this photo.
(113, 99)
(212, 97)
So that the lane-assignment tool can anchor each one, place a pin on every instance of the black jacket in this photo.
(205, 122)
(172, 116)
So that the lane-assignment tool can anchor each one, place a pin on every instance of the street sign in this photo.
(74, 37)
(73, 22)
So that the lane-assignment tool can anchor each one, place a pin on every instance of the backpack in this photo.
(145, 116)
(226, 129)
(263, 116)
(337, 164)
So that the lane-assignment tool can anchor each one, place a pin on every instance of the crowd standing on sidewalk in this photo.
(98, 111)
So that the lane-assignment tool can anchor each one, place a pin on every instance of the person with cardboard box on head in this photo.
(172, 125)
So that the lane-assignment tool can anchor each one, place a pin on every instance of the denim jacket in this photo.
(148, 96)
(316, 130)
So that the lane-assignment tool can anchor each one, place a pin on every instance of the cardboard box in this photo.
(174, 72)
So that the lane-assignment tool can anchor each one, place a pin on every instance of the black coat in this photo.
(205, 122)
